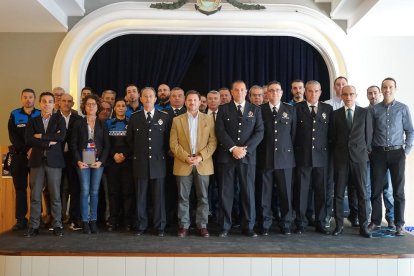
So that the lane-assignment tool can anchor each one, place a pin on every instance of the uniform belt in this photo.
(388, 148)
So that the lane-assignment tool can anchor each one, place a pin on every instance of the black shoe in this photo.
(31, 232)
(58, 231)
(338, 230)
(265, 232)
(400, 231)
(140, 233)
(94, 227)
(311, 221)
(250, 234)
(161, 233)
(354, 221)
(285, 230)
(224, 234)
(112, 227)
(300, 230)
(20, 225)
(322, 230)
(365, 233)
(86, 228)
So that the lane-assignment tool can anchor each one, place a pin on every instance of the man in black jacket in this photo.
(45, 134)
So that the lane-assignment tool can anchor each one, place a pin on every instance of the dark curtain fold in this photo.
(204, 63)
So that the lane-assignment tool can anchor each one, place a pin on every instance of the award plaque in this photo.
(89, 156)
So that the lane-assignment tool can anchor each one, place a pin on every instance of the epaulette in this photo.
(165, 112)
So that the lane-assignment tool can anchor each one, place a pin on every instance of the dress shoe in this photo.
(224, 234)
(31, 232)
(311, 221)
(250, 234)
(373, 227)
(354, 221)
(58, 231)
(300, 230)
(182, 232)
(204, 233)
(322, 230)
(140, 232)
(94, 227)
(400, 231)
(338, 230)
(86, 228)
(365, 233)
(112, 227)
(161, 233)
(265, 232)
(285, 231)
(20, 225)
(75, 226)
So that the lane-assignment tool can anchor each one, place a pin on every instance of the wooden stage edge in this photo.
(207, 255)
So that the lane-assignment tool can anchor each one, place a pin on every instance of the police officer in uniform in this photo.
(19, 169)
(148, 138)
(277, 158)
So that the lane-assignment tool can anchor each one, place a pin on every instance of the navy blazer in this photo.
(56, 132)
(276, 149)
(249, 132)
(351, 144)
(149, 144)
(312, 135)
(79, 140)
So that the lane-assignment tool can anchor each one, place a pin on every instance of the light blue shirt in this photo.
(193, 126)
(390, 124)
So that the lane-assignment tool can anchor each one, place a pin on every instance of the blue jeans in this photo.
(386, 195)
(90, 180)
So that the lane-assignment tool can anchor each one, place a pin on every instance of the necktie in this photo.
(349, 118)
(214, 115)
(176, 111)
(149, 117)
(274, 111)
(239, 111)
(313, 113)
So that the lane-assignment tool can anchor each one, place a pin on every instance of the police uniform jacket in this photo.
(56, 131)
(117, 136)
(17, 126)
(311, 141)
(149, 144)
(231, 132)
(276, 149)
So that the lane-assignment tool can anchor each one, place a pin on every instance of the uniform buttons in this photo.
(275, 148)
(149, 129)
(238, 138)
(314, 121)
(239, 130)
(150, 156)
(275, 130)
(276, 140)
(288, 150)
(275, 122)
(149, 138)
(149, 148)
(239, 124)
(313, 129)
(313, 147)
(313, 138)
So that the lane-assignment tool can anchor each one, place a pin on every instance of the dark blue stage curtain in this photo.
(205, 62)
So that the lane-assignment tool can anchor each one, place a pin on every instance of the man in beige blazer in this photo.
(193, 142)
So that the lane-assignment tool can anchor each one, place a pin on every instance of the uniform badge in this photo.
(324, 115)
(285, 115)
(250, 114)
(160, 122)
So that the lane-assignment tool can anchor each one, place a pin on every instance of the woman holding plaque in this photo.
(90, 148)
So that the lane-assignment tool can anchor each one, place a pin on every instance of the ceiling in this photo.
(372, 17)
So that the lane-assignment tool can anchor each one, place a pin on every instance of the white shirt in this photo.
(193, 126)
(152, 112)
(242, 106)
(315, 106)
(67, 118)
(277, 106)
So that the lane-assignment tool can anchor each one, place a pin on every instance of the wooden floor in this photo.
(309, 244)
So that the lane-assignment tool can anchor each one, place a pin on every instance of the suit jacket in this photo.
(230, 133)
(180, 144)
(72, 119)
(56, 131)
(171, 113)
(149, 144)
(79, 140)
(311, 141)
(276, 149)
(351, 144)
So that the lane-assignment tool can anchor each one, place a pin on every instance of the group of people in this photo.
(244, 157)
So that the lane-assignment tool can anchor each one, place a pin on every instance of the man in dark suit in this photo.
(70, 179)
(277, 158)
(45, 134)
(311, 155)
(351, 136)
(239, 130)
(177, 99)
(148, 137)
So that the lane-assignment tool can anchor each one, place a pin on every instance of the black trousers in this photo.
(70, 173)
(20, 172)
(283, 180)
(121, 192)
(307, 177)
(156, 189)
(344, 174)
(381, 161)
(226, 174)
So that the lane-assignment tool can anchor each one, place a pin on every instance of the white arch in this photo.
(100, 26)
